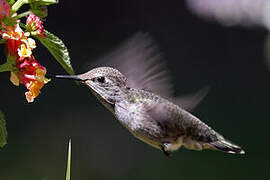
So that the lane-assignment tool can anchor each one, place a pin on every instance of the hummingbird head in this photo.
(107, 83)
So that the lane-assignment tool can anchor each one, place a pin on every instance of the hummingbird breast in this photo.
(159, 122)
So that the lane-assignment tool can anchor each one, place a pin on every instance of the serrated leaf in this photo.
(59, 51)
(3, 130)
(68, 161)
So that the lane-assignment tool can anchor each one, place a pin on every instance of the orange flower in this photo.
(32, 75)
(12, 32)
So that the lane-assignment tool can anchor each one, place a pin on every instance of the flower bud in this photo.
(35, 26)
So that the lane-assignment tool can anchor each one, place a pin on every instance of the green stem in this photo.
(6, 67)
(24, 14)
(16, 6)
(23, 25)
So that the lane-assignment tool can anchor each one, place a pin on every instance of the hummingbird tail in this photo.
(226, 146)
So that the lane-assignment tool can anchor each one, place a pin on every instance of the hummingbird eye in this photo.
(100, 79)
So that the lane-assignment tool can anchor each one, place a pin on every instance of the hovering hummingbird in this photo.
(136, 88)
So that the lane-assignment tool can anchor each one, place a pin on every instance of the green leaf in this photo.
(39, 10)
(3, 130)
(11, 2)
(68, 161)
(43, 2)
(3, 41)
(59, 51)
(39, 7)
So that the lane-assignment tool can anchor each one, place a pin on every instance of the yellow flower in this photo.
(24, 52)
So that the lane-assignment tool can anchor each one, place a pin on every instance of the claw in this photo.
(167, 153)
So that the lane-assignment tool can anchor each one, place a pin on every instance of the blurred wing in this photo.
(190, 101)
(140, 61)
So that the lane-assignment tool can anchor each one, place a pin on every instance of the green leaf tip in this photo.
(68, 161)
(3, 130)
(58, 50)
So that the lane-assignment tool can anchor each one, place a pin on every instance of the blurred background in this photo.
(205, 43)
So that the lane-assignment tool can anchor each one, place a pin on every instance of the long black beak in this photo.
(70, 77)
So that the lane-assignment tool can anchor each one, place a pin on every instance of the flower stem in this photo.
(6, 67)
(24, 14)
(16, 6)
(23, 25)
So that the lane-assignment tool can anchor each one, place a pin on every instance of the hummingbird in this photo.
(135, 86)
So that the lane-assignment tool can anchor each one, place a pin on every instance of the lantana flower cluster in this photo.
(19, 46)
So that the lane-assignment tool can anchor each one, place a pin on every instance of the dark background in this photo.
(198, 53)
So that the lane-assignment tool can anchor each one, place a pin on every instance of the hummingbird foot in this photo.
(167, 153)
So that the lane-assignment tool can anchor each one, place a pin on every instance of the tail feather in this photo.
(226, 146)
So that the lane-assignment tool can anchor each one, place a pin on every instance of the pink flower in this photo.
(35, 26)
(4, 9)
